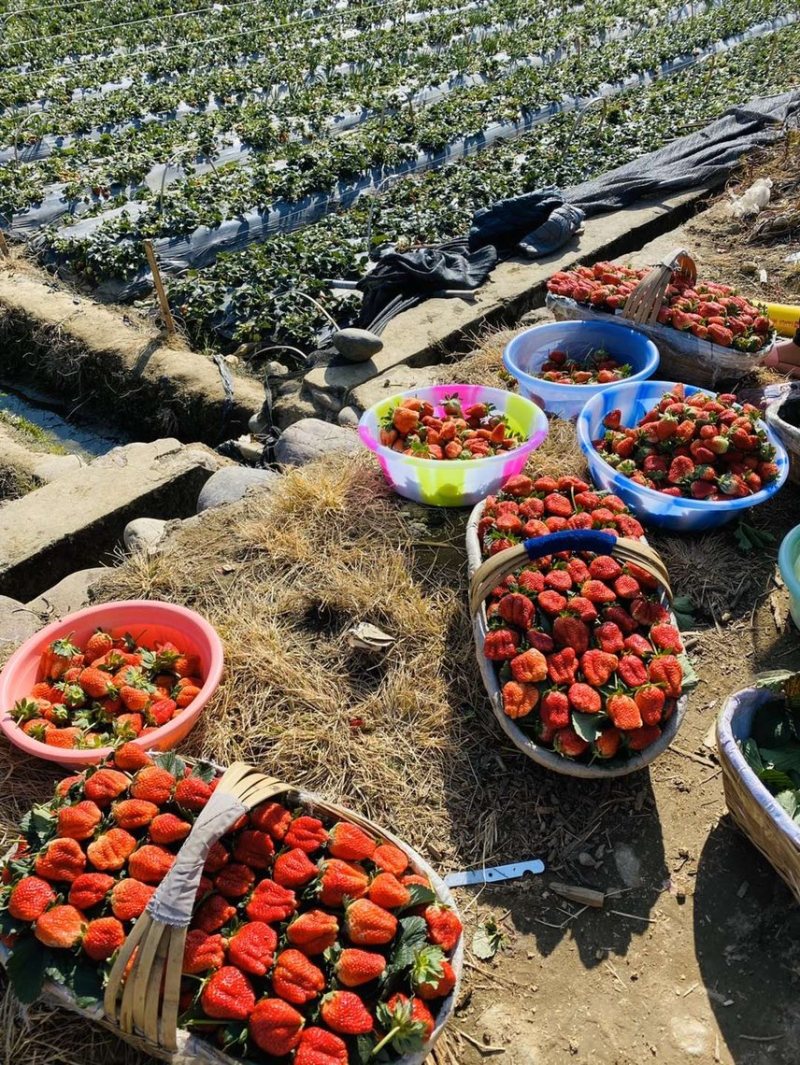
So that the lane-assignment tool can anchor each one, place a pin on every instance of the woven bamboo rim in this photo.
(752, 807)
(491, 572)
(143, 1007)
(644, 303)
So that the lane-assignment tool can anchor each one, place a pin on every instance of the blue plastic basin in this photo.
(524, 356)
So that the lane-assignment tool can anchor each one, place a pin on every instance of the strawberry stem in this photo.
(385, 1041)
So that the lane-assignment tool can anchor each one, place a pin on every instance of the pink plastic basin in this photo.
(147, 621)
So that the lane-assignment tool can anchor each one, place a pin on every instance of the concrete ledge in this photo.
(420, 336)
(78, 519)
(85, 350)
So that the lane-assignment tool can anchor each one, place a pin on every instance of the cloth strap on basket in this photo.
(143, 1002)
(491, 572)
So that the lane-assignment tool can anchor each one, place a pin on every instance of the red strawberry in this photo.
(570, 631)
(293, 869)
(61, 927)
(650, 701)
(102, 938)
(584, 699)
(271, 902)
(307, 833)
(78, 821)
(583, 608)
(89, 889)
(578, 571)
(554, 709)
(350, 843)
(318, 1046)
(131, 757)
(131, 814)
(540, 641)
(597, 592)
(340, 880)
(296, 979)
(519, 699)
(609, 637)
(151, 863)
(623, 711)
(501, 644)
(202, 952)
(368, 925)
(444, 926)
(559, 580)
(153, 784)
(551, 602)
(648, 612)
(344, 1012)
(253, 947)
(273, 818)
(409, 1019)
(228, 995)
(29, 898)
(129, 898)
(529, 667)
(621, 618)
(632, 671)
(213, 914)
(640, 738)
(568, 743)
(276, 1028)
(168, 828)
(665, 670)
(607, 743)
(516, 609)
(314, 931)
(62, 860)
(604, 568)
(387, 891)
(597, 667)
(390, 858)
(532, 581)
(636, 644)
(192, 793)
(254, 848)
(99, 643)
(627, 587)
(235, 880)
(356, 967)
(105, 785)
(561, 667)
(667, 638)
(432, 975)
(160, 712)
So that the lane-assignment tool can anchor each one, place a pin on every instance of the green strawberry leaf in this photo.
(788, 800)
(588, 726)
(690, 678)
(776, 780)
(427, 967)
(365, 1044)
(752, 755)
(683, 609)
(488, 938)
(171, 762)
(413, 934)
(38, 826)
(420, 896)
(26, 968)
(204, 771)
(773, 679)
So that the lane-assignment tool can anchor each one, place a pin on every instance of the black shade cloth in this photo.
(506, 221)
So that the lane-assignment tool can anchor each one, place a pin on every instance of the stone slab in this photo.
(398, 379)
(17, 623)
(80, 518)
(311, 439)
(70, 594)
(421, 334)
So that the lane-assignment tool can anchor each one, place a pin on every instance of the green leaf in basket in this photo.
(752, 755)
(420, 896)
(365, 1044)
(784, 758)
(84, 981)
(683, 608)
(588, 726)
(26, 968)
(413, 934)
(788, 800)
(204, 771)
(690, 678)
(775, 780)
(38, 826)
(772, 725)
(171, 762)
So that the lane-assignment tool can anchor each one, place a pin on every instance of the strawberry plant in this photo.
(309, 937)
(107, 692)
(700, 446)
(587, 658)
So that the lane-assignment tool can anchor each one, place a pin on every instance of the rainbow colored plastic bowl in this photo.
(147, 621)
(455, 483)
(526, 353)
(635, 399)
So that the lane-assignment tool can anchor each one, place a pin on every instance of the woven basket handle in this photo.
(491, 572)
(146, 1002)
(644, 303)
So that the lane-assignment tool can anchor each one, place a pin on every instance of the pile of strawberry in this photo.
(597, 368)
(473, 432)
(704, 309)
(701, 447)
(107, 692)
(586, 655)
(308, 937)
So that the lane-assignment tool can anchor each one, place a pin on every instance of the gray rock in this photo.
(143, 534)
(258, 424)
(292, 408)
(70, 594)
(275, 369)
(536, 317)
(311, 439)
(251, 450)
(231, 484)
(17, 623)
(348, 416)
(51, 467)
(357, 345)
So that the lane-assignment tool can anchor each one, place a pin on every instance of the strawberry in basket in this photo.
(586, 655)
(309, 936)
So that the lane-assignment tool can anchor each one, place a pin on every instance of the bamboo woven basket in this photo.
(142, 1009)
(684, 357)
(754, 810)
(486, 575)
